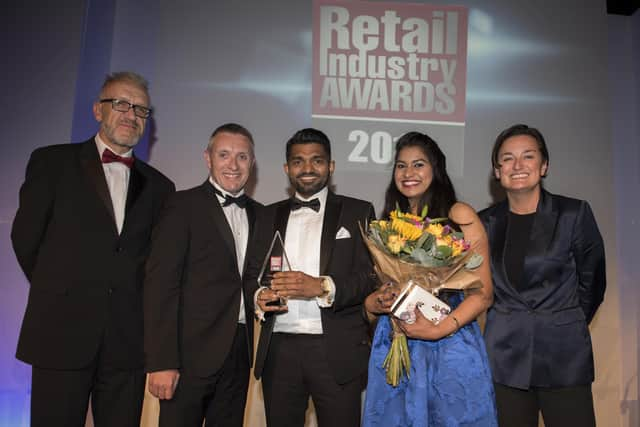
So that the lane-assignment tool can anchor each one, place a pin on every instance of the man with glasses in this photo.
(81, 235)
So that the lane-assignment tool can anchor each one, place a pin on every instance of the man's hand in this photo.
(266, 296)
(162, 384)
(381, 300)
(295, 284)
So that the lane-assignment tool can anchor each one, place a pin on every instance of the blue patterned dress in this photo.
(450, 382)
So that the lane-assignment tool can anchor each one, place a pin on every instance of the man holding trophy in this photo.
(313, 340)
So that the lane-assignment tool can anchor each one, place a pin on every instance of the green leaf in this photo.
(474, 261)
(443, 252)
(423, 214)
(426, 241)
(437, 220)
(423, 258)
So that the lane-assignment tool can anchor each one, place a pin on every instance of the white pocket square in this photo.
(343, 233)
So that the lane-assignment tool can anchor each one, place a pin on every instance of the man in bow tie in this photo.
(316, 345)
(81, 235)
(198, 317)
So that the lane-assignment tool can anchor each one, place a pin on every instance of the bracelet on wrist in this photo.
(457, 324)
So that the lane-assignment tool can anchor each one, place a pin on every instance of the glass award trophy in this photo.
(276, 260)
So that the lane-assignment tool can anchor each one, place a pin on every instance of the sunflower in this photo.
(410, 227)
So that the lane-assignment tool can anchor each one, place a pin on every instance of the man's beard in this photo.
(127, 142)
(307, 190)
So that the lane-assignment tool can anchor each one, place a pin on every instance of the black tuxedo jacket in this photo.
(86, 280)
(348, 263)
(539, 336)
(192, 285)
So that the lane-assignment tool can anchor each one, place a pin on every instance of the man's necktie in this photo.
(311, 204)
(109, 156)
(241, 201)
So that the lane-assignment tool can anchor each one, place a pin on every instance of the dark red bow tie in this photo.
(109, 156)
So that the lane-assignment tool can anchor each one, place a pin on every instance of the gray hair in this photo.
(126, 77)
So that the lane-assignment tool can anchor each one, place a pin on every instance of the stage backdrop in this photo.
(259, 64)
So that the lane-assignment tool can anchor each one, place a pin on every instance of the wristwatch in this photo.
(325, 284)
(326, 287)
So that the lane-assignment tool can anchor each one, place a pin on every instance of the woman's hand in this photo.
(381, 300)
(425, 329)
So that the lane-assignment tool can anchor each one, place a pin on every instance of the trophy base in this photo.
(277, 303)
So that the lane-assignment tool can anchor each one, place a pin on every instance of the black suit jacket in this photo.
(348, 263)
(539, 336)
(192, 285)
(86, 280)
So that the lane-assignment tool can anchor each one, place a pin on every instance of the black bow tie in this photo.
(241, 201)
(311, 204)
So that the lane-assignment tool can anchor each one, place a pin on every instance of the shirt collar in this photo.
(224, 192)
(101, 145)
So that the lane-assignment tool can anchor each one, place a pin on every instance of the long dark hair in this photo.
(440, 195)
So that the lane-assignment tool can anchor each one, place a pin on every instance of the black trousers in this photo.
(60, 397)
(218, 399)
(560, 407)
(296, 368)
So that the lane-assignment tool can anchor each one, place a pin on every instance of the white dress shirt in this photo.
(117, 176)
(302, 245)
(239, 223)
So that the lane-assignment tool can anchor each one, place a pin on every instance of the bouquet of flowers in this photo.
(416, 250)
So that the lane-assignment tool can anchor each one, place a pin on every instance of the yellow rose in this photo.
(395, 243)
(435, 229)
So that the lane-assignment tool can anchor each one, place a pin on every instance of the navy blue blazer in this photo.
(539, 336)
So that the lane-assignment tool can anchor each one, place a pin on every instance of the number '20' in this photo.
(378, 147)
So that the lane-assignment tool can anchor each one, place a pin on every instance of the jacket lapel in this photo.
(332, 214)
(282, 218)
(91, 166)
(251, 219)
(498, 224)
(498, 231)
(136, 185)
(218, 218)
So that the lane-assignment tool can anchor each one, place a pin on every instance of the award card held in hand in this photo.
(433, 308)
(276, 260)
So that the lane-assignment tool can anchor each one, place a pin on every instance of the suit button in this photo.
(119, 249)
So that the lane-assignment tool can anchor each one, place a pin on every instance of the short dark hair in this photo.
(440, 195)
(517, 130)
(309, 136)
(125, 77)
(232, 128)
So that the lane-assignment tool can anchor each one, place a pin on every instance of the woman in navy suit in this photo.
(548, 269)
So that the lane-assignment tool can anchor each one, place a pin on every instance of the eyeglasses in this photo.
(124, 106)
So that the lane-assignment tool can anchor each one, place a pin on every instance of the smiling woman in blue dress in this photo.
(548, 269)
(450, 382)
